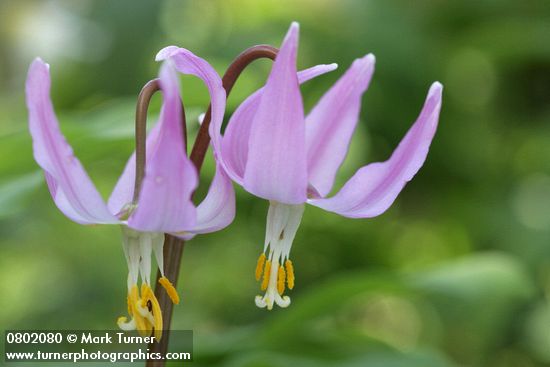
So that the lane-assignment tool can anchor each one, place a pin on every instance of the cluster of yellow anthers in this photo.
(145, 311)
(285, 275)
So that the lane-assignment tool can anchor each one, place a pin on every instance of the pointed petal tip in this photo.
(38, 78)
(316, 71)
(38, 61)
(293, 32)
(436, 90)
(437, 85)
(39, 64)
(166, 53)
(367, 61)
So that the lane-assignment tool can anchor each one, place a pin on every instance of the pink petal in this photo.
(164, 203)
(188, 63)
(331, 123)
(123, 193)
(70, 186)
(236, 137)
(217, 210)
(372, 190)
(276, 168)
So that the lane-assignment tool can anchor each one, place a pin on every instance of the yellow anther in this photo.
(145, 319)
(143, 325)
(170, 289)
(129, 302)
(144, 288)
(149, 296)
(260, 266)
(267, 271)
(289, 274)
(133, 297)
(281, 277)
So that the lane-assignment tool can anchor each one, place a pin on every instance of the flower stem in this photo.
(173, 247)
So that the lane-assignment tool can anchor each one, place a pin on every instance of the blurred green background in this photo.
(456, 273)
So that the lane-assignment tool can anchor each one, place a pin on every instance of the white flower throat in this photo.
(274, 266)
(143, 307)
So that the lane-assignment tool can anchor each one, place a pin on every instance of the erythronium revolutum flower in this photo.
(186, 63)
(164, 202)
(275, 152)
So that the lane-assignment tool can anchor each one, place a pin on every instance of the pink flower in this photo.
(275, 152)
(164, 203)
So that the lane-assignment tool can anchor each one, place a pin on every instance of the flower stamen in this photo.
(281, 278)
(278, 273)
(170, 289)
(138, 321)
(267, 271)
(289, 274)
(260, 266)
(144, 310)
(148, 297)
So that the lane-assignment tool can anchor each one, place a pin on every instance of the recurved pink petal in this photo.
(188, 63)
(276, 168)
(123, 191)
(237, 134)
(70, 186)
(217, 210)
(372, 190)
(330, 124)
(164, 203)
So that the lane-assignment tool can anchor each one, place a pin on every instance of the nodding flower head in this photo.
(163, 203)
(276, 152)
